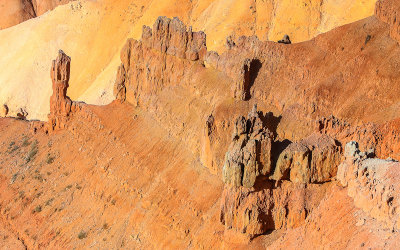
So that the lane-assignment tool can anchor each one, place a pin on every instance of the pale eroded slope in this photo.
(93, 33)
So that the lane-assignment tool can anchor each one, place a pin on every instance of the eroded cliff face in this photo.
(161, 58)
(256, 199)
(107, 24)
(388, 11)
(280, 158)
(373, 184)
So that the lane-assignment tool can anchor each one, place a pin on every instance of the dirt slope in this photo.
(14, 12)
(93, 33)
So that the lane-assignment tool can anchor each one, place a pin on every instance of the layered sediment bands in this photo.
(373, 184)
(61, 105)
(388, 11)
(160, 59)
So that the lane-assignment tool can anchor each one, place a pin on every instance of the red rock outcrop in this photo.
(61, 105)
(373, 184)
(388, 11)
(381, 139)
(249, 155)
(160, 59)
(311, 160)
(252, 213)
(4, 111)
(252, 202)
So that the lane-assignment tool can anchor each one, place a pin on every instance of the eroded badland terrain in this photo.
(185, 124)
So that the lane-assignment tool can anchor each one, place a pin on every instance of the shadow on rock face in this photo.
(251, 73)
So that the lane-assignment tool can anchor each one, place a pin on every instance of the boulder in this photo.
(285, 40)
(161, 58)
(311, 160)
(22, 114)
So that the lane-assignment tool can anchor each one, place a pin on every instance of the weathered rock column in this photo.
(61, 105)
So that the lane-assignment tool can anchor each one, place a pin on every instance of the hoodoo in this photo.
(202, 130)
(61, 105)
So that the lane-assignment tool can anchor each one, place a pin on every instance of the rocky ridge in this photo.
(260, 171)
(373, 184)
(151, 64)
(273, 177)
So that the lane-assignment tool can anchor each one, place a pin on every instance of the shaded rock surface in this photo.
(249, 154)
(4, 111)
(311, 160)
(285, 40)
(252, 213)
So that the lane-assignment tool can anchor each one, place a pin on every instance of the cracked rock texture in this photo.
(249, 154)
(61, 105)
(311, 160)
(373, 184)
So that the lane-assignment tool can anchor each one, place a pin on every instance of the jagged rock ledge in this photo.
(388, 11)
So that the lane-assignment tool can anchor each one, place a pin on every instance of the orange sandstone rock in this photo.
(373, 184)
(388, 11)
(160, 59)
(61, 105)
(311, 160)
(249, 154)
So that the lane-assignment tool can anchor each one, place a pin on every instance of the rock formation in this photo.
(160, 59)
(373, 184)
(311, 160)
(285, 40)
(249, 154)
(22, 114)
(382, 139)
(251, 203)
(388, 11)
(4, 111)
(61, 105)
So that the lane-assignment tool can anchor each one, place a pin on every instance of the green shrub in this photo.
(37, 209)
(32, 152)
(82, 235)
(25, 142)
(50, 159)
